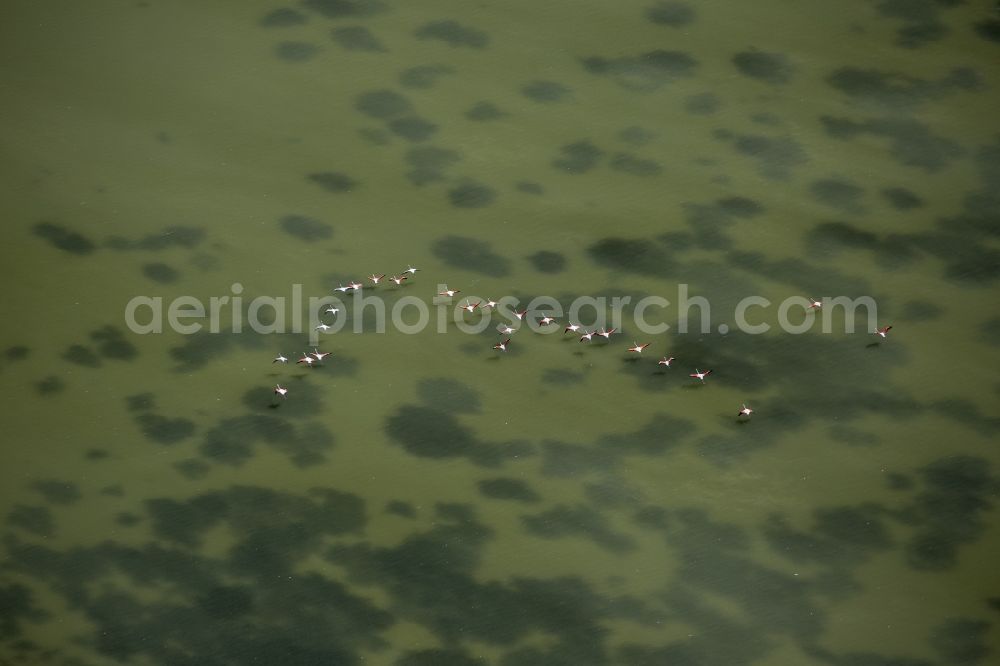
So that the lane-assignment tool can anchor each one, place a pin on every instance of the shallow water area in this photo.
(421, 498)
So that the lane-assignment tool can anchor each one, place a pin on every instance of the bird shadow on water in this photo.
(693, 386)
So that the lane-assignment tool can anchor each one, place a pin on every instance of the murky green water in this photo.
(422, 499)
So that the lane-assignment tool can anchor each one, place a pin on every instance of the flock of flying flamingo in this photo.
(315, 357)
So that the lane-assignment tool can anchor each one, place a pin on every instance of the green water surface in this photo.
(422, 499)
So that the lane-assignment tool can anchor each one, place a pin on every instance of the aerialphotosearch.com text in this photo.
(364, 311)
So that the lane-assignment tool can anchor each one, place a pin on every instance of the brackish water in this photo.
(421, 499)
